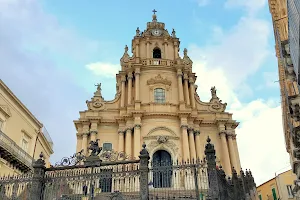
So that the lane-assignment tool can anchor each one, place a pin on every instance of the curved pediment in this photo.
(161, 131)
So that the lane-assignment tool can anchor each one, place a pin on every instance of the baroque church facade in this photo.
(157, 104)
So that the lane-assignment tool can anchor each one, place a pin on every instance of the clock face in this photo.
(156, 32)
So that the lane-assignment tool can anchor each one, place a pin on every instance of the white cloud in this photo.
(252, 6)
(103, 69)
(203, 2)
(227, 63)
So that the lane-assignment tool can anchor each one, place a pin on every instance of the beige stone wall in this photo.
(19, 124)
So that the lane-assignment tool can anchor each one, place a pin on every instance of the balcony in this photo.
(158, 61)
(14, 154)
(294, 102)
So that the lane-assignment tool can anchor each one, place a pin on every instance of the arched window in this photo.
(156, 53)
(159, 95)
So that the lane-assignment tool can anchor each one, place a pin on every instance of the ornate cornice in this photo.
(159, 80)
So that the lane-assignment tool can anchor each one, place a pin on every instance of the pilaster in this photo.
(129, 95)
(225, 155)
(186, 89)
(192, 144)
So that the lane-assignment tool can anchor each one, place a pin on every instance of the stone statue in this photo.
(94, 147)
(137, 31)
(98, 91)
(173, 33)
(213, 92)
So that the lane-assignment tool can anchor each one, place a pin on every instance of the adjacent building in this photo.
(279, 187)
(157, 104)
(22, 136)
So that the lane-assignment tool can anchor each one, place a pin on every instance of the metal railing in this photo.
(15, 150)
(157, 61)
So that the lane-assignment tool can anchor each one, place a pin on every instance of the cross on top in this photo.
(154, 11)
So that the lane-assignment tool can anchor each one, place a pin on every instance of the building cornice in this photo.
(23, 107)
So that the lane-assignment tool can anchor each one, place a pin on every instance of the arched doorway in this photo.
(156, 53)
(162, 169)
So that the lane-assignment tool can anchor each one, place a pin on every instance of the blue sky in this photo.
(47, 46)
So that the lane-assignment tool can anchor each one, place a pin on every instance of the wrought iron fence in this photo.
(122, 179)
(178, 180)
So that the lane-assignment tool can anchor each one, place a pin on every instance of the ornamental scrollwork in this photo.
(72, 160)
(159, 80)
(111, 155)
(162, 139)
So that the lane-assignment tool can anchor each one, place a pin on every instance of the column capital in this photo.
(123, 78)
(85, 134)
(137, 126)
(222, 133)
(197, 132)
(191, 80)
(93, 132)
(185, 76)
(128, 129)
(190, 129)
(129, 75)
(184, 126)
(121, 132)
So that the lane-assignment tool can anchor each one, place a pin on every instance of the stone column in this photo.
(129, 78)
(238, 162)
(137, 140)
(84, 143)
(199, 148)
(123, 79)
(121, 141)
(144, 173)
(128, 139)
(137, 84)
(79, 142)
(192, 92)
(225, 158)
(165, 50)
(175, 50)
(185, 144)
(94, 130)
(232, 151)
(137, 51)
(186, 89)
(148, 51)
(192, 144)
(180, 88)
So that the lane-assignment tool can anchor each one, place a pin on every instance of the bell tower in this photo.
(155, 41)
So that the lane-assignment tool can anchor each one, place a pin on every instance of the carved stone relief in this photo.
(159, 80)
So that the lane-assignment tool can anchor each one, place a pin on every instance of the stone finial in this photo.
(126, 49)
(144, 150)
(98, 91)
(208, 140)
(185, 52)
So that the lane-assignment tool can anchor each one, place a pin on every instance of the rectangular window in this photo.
(274, 194)
(259, 196)
(159, 95)
(107, 146)
(290, 191)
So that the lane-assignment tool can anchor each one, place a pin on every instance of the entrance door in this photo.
(162, 169)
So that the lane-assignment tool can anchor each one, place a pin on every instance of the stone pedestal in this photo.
(93, 161)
